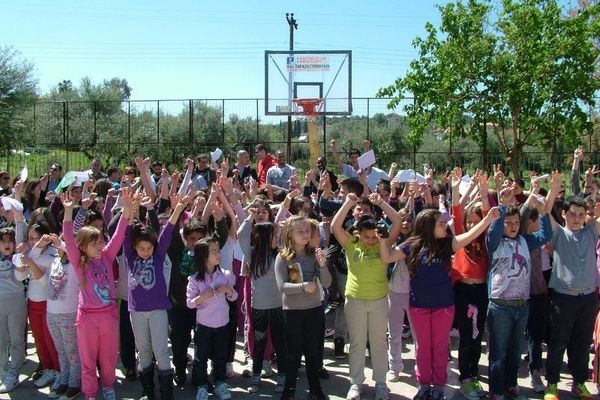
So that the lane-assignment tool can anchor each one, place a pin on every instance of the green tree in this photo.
(528, 69)
(18, 90)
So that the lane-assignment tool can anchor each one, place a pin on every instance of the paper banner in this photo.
(215, 155)
(8, 203)
(366, 160)
(407, 175)
(24, 173)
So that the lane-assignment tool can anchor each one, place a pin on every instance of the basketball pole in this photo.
(293, 25)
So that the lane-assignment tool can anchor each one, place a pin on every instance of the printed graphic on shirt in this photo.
(101, 284)
(6, 269)
(57, 282)
(295, 273)
(186, 266)
(510, 272)
(142, 274)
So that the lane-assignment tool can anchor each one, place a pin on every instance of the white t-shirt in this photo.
(63, 288)
(37, 290)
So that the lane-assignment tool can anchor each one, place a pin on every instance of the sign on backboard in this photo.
(314, 74)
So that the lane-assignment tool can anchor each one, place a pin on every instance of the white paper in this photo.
(81, 177)
(8, 203)
(215, 155)
(407, 175)
(24, 173)
(465, 181)
(366, 160)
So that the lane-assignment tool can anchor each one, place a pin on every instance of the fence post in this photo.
(257, 122)
(129, 126)
(94, 109)
(66, 127)
(191, 125)
(157, 117)
(368, 119)
(222, 122)
(484, 149)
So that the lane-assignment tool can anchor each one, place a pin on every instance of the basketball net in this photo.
(310, 109)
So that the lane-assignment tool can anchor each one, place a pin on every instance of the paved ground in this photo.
(335, 387)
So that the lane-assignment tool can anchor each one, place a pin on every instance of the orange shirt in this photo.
(470, 262)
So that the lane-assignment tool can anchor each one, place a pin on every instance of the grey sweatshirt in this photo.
(293, 295)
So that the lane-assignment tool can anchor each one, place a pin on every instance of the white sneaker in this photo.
(536, 381)
(267, 369)
(229, 370)
(9, 382)
(353, 393)
(109, 394)
(48, 376)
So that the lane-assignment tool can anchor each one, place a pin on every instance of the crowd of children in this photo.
(107, 266)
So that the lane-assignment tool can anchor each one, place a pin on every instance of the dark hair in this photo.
(520, 182)
(534, 214)
(112, 170)
(201, 253)
(575, 201)
(101, 187)
(279, 196)
(512, 210)
(266, 204)
(260, 147)
(7, 234)
(46, 216)
(41, 228)
(92, 215)
(143, 233)
(366, 223)
(423, 239)
(156, 164)
(263, 253)
(384, 184)
(354, 151)
(353, 185)
(194, 225)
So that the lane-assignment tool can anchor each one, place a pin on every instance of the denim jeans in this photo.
(210, 343)
(536, 328)
(506, 327)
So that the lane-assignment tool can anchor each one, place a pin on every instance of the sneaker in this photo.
(323, 373)
(423, 393)
(513, 393)
(109, 394)
(48, 376)
(222, 391)
(478, 387)
(71, 393)
(202, 393)
(317, 396)
(9, 382)
(382, 392)
(58, 391)
(393, 376)
(436, 393)
(551, 392)
(37, 373)
(353, 393)
(180, 377)
(267, 369)
(247, 372)
(280, 383)
(454, 333)
(130, 375)
(406, 333)
(338, 349)
(536, 381)
(469, 389)
(229, 370)
(581, 392)
(255, 385)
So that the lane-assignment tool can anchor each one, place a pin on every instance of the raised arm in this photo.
(577, 156)
(334, 153)
(339, 232)
(460, 241)
(144, 168)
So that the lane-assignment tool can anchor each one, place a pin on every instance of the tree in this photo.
(530, 73)
(18, 89)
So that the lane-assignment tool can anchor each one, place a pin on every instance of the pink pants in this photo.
(98, 340)
(432, 328)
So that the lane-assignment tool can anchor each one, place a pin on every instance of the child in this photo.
(302, 307)
(97, 314)
(428, 253)
(13, 313)
(267, 313)
(148, 300)
(208, 291)
(63, 290)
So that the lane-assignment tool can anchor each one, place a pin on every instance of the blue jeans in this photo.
(506, 327)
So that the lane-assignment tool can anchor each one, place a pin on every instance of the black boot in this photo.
(338, 348)
(147, 381)
(165, 384)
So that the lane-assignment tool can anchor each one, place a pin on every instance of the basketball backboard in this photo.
(315, 74)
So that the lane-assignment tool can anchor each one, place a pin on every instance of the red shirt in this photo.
(263, 167)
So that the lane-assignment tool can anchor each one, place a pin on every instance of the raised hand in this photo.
(67, 201)
(321, 258)
(505, 196)
(493, 214)
(351, 197)
(578, 153)
(375, 199)
(88, 201)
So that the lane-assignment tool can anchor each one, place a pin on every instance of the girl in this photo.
(267, 313)
(298, 270)
(13, 313)
(366, 307)
(97, 319)
(148, 299)
(38, 266)
(63, 290)
(208, 291)
(428, 253)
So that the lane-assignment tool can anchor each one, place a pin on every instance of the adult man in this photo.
(96, 168)
(574, 299)
(278, 176)
(265, 161)
(322, 168)
(204, 175)
(114, 177)
(243, 167)
(373, 174)
(351, 171)
(157, 167)
(54, 176)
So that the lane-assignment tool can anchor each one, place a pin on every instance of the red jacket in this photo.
(263, 167)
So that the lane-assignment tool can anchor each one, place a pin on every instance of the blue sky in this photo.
(183, 49)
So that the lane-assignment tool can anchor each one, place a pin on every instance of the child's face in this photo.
(574, 218)
(32, 238)
(191, 239)
(315, 238)
(368, 237)
(512, 224)
(144, 249)
(472, 220)
(94, 249)
(262, 215)
(301, 233)
(7, 246)
(441, 228)
(214, 254)
(98, 224)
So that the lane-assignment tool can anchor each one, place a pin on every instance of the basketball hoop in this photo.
(310, 107)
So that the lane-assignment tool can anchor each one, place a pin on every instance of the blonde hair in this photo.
(85, 236)
(288, 253)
